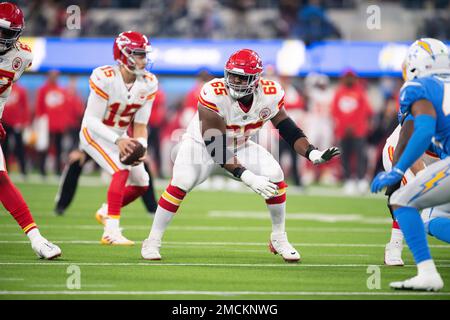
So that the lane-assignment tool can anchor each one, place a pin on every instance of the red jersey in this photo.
(51, 101)
(75, 108)
(351, 111)
(158, 114)
(17, 111)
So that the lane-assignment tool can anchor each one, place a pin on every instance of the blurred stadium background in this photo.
(339, 61)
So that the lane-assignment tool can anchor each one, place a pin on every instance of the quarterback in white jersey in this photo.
(230, 111)
(121, 97)
(15, 57)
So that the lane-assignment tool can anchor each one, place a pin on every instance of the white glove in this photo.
(260, 184)
(318, 157)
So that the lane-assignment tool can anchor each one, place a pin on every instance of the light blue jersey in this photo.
(436, 89)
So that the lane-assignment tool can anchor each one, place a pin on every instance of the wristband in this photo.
(142, 141)
(308, 151)
(237, 172)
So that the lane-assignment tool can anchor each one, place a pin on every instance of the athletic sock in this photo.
(116, 193)
(440, 228)
(426, 267)
(396, 233)
(14, 203)
(414, 232)
(168, 205)
(277, 208)
(132, 193)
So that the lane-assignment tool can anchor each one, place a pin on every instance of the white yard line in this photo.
(211, 244)
(228, 293)
(238, 265)
(209, 228)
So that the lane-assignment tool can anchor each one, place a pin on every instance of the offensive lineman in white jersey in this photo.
(120, 95)
(230, 111)
(15, 57)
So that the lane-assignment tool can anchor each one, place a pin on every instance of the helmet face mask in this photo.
(242, 73)
(11, 25)
(240, 85)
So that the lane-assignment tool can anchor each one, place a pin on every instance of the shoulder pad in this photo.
(212, 93)
(410, 92)
(272, 91)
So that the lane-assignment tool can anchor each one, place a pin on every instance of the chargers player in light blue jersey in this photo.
(426, 97)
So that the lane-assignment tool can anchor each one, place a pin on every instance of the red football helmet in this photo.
(242, 73)
(12, 24)
(129, 45)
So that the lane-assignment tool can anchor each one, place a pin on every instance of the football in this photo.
(138, 152)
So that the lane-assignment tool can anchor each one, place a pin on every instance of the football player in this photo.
(230, 111)
(391, 151)
(120, 95)
(15, 58)
(424, 97)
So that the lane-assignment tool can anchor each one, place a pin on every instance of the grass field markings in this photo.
(308, 216)
(11, 279)
(212, 228)
(229, 293)
(194, 243)
(200, 264)
(64, 285)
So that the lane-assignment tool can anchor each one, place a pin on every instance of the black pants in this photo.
(19, 148)
(69, 184)
(155, 147)
(56, 140)
(296, 175)
(353, 146)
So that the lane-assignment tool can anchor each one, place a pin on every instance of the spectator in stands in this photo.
(16, 116)
(75, 111)
(314, 24)
(352, 112)
(156, 123)
(51, 103)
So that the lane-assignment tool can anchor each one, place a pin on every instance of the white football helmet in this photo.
(426, 56)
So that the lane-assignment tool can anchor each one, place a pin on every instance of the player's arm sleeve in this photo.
(95, 111)
(424, 130)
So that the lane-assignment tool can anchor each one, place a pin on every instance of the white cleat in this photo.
(431, 282)
(44, 249)
(393, 254)
(150, 249)
(279, 244)
(102, 214)
(115, 238)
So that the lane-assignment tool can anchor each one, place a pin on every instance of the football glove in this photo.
(260, 184)
(318, 157)
(384, 179)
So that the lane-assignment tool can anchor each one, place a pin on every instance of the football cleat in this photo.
(150, 249)
(393, 254)
(279, 244)
(44, 249)
(115, 238)
(102, 214)
(429, 282)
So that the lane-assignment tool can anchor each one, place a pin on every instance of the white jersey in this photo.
(241, 124)
(12, 65)
(112, 105)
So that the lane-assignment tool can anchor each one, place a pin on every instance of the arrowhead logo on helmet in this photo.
(12, 24)
(242, 73)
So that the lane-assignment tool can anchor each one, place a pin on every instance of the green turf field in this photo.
(216, 248)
